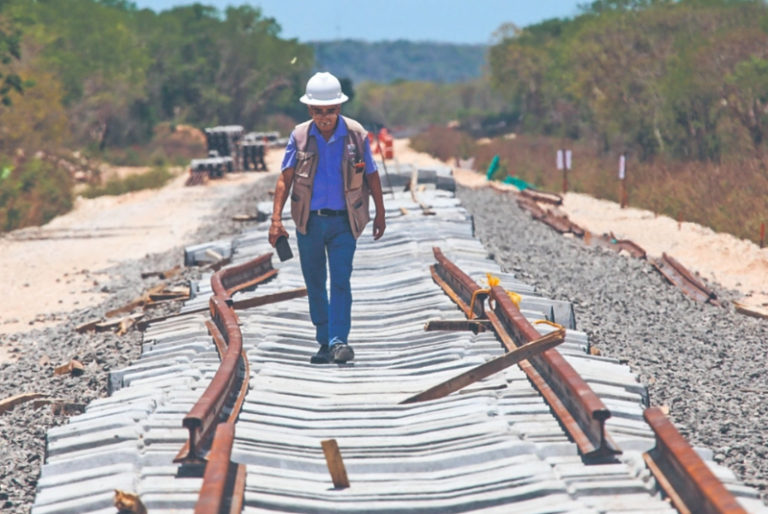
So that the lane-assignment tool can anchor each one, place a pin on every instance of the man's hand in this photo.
(282, 188)
(276, 229)
(379, 225)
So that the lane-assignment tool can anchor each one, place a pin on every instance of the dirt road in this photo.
(51, 270)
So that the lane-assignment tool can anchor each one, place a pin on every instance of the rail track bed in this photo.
(500, 444)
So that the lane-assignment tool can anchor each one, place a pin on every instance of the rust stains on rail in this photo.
(578, 408)
(223, 486)
(243, 276)
(678, 275)
(684, 477)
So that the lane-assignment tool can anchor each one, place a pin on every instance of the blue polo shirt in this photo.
(328, 187)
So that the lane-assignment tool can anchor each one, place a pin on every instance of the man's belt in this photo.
(329, 212)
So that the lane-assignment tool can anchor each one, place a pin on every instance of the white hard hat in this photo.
(323, 89)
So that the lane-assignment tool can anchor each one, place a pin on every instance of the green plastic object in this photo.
(519, 183)
(6, 172)
(492, 167)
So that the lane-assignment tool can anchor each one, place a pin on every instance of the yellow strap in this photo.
(492, 280)
(516, 298)
(471, 314)
(495, 281)
(547, 322)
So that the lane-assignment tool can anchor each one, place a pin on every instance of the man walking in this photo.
(329, 172)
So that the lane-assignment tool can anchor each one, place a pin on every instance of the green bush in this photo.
(32, 193)
(153, 179)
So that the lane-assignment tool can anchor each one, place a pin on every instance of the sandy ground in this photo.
(57, 268)
(52, 270)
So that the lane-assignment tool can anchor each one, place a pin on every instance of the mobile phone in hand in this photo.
(283, 248)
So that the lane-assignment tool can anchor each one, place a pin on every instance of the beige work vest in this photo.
(356, 191)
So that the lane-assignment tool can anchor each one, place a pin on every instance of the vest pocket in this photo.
(354, 175)
(304, 162)
(357, 203)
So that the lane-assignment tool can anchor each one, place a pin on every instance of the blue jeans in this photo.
(331, 235)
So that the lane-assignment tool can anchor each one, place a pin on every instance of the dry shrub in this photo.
(278, 122)
(153, 179)
(444, 143)
(731, 196)
(179, 143)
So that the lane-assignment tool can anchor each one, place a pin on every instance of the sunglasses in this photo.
(324, 112)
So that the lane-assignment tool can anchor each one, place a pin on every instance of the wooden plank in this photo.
(239, 304)
(335, 463)
(755, 311)
(270, 298)
(139, 302)
(475, 325)
(12, 401)
(253, 282)
(213, 254)
(87, 326)
(489, 368)
(73, 367)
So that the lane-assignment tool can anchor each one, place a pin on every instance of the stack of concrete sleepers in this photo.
(494, 446)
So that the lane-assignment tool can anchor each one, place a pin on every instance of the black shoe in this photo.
(342, 352)
(323, 355)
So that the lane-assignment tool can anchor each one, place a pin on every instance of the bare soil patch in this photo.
(59, 267)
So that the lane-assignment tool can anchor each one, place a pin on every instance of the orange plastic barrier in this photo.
(387, 142)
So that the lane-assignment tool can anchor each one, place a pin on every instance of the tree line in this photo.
(686, 79)
(114, 71)
(92, 75)
(673, 79)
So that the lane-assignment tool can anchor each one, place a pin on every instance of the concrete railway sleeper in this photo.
(492, 446)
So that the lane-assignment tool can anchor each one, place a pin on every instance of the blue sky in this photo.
(455, 21)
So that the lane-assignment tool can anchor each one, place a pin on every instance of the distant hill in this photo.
(388, 61)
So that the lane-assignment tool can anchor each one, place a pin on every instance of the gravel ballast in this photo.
(707, 364)
(23, 428)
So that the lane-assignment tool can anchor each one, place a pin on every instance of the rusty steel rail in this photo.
(685, 478)
(530, 206)
(202, 419)
(578, 408)
(542, 196)
(243, 276)
(562, 224)
(460, 287)
(617, 245)
(223, 488)
(678, 275)
(627, 245)
(559, 222)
